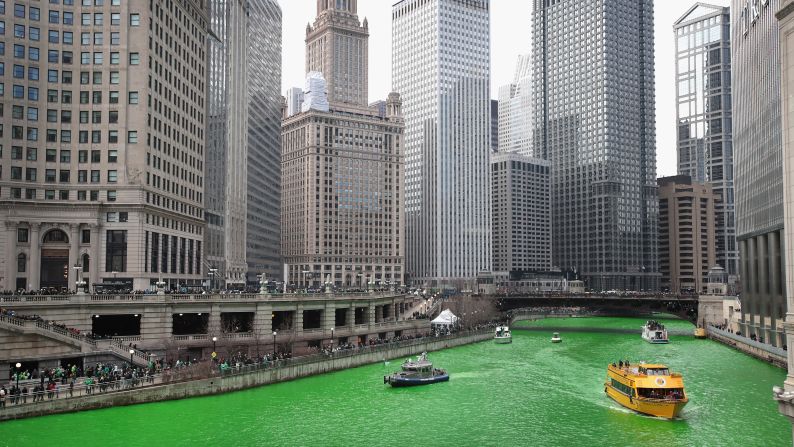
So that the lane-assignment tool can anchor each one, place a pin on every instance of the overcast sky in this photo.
(511, 31)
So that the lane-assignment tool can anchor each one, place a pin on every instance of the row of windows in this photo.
(50, 194)
(62, 175)
(18, 113)
(32, 134)
(31, 154)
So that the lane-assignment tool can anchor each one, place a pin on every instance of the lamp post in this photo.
(19, 366)
(274, 343)
(214, 340)
(132, 351)
(332, 339)
(305, 282)
(78, 284)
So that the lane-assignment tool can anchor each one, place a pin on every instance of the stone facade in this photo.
(102, 154)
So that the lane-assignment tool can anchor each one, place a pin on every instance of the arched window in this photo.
(56, 236)
(22, 262)
(86, 263)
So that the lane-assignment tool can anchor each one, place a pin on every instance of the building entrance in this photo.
(55, 260)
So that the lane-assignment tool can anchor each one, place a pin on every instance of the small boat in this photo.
(418, 372)
(502, 335)
(654, 332)
(646, 388)
(700, 333)
(555, 338)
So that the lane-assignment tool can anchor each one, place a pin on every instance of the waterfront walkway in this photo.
(207, 378)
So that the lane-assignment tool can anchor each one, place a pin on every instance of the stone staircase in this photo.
(78, 341)
(44, 329)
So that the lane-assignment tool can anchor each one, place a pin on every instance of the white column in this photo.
(34, 268)
(74, 248)
(11, 256)
(96, 245)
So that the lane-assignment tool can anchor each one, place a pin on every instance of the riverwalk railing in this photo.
(204, 370)
(199, 297)
(748, 341)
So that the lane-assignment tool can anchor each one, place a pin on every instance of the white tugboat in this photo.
(503, 335)
(555, 338)
(655, 333)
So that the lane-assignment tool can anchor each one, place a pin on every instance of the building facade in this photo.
(102, 168)
(342, 186)
(226, 170)
(687, 233)
(785, 15)
(758, 161)
(243, 142)
(594, 112)
(263, 241)
(521, 213)
(494, 125)
(705, 142)
(441, 67)
(515, 110)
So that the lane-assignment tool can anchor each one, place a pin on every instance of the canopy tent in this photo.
(444, 319)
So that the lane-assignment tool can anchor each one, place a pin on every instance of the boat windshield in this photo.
(661, 393)
(657, 372)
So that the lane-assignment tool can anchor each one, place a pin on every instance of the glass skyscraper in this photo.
(705, 144)
(441, 67)
(244, 141)
(593, 71)
(758, 165)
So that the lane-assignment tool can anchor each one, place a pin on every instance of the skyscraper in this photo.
(686, 233)
(294, 98)
(337, 46)
(441, 67)
(226, 169)
(758, 161)
(342, 195)
(593, 72)
(102, 172)
(705, 143)
(263, 233)
(515, 110)
(521, 213)
(243, 141)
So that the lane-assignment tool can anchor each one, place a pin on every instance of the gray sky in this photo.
(511, 29)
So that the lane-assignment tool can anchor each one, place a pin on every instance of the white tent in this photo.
(444, 320)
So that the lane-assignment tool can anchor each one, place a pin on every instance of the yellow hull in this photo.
(651, 407)
(700, 333)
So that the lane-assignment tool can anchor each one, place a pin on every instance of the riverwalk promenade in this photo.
(165, 387)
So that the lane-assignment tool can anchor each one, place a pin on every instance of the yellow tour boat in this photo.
(646, 388)
(700, 332)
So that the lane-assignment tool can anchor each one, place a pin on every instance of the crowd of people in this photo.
(65, 381)
(11, 313)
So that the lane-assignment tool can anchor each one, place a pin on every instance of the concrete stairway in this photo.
(81, 342)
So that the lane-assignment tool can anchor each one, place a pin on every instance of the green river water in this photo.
(529, 393)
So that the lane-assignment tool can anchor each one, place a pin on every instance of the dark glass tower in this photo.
(594, 102)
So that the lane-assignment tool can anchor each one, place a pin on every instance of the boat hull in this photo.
(652, 407)
(556, 340)
(503, 340)
(656, 341)
(401, 382)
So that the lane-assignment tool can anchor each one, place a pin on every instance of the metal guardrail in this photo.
(750, 342)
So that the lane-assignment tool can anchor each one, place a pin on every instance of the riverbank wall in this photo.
(771, 354)
(240, 380)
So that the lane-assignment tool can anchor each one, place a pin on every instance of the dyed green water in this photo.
(527, 393)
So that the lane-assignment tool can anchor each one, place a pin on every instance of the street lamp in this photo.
(332, 339)
(78, 284)
(19, 366)
(132, 351)
(214, 340)
(274, 343)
